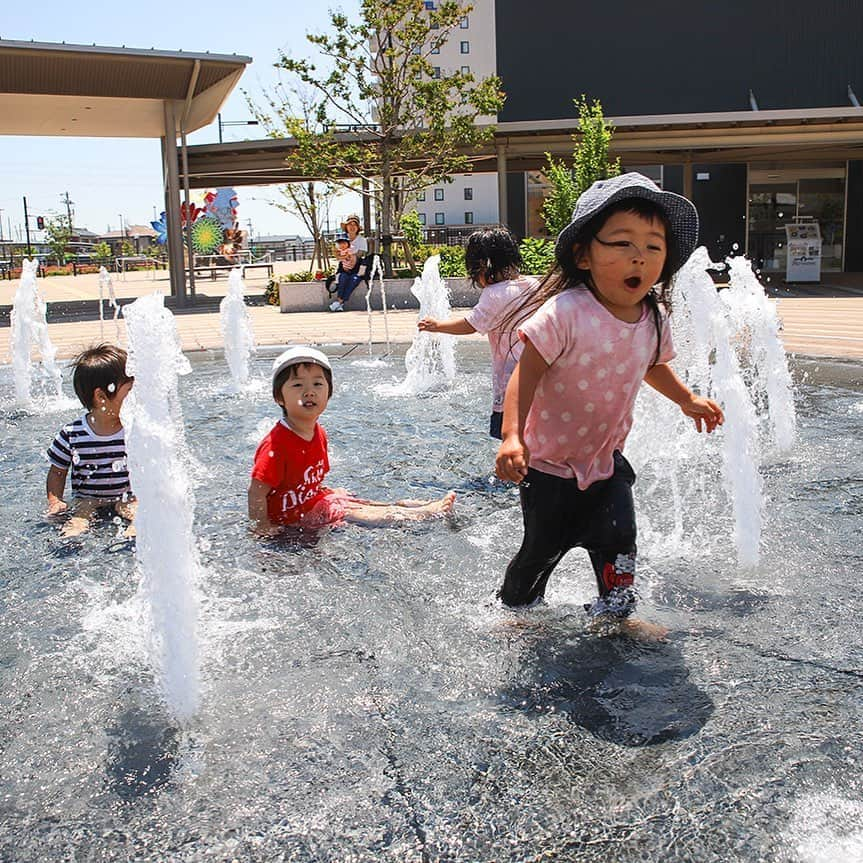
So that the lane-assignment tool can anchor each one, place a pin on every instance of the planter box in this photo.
(313, 296)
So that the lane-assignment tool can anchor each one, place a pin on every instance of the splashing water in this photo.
(430, 360)
(239, 339)
(728, 348)
(30, 327)
(754, 319)
(157, 458)
(377, 270)
(107, 286)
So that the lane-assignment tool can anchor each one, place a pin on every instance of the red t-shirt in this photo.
(295, 468)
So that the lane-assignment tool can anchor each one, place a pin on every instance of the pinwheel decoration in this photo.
(190, 213)
(161, 229)
(207, 235)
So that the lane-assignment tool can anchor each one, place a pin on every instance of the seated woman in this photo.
(353, 265)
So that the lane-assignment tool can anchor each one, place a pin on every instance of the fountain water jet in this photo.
(726, 345)
(430, 360)
(157, 458)
(107, 286)
(30, 327)
(239, 339)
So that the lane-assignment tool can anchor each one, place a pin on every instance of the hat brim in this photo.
(315, 357)
(680, 212)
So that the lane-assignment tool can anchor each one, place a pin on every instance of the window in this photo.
(416, 50)
(438, 194)
(439, 219)
(468, 193)
(465, 70)
(421, 196)
(433, 25)
(465, 47)
(435, 50)
(422, 218)
(436, 72)
(468, 218)
(429, 4)
(464, 23)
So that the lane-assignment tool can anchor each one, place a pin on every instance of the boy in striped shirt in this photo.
(93, 446)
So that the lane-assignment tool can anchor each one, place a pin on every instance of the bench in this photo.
(214, 270)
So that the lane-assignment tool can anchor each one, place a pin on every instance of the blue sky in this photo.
(120, 177)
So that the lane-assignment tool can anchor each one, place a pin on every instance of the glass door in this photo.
(778, 197)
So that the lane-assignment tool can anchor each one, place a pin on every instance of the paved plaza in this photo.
(828, 324)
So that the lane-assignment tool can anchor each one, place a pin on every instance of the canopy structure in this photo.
(101, 92)
(685, 139)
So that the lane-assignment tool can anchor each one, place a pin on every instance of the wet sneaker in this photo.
(336, 307)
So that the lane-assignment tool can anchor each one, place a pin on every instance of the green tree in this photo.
(590, 162)
(58, 232)
(127, 248)
(416, 123)
(102, 252)
(412, 229)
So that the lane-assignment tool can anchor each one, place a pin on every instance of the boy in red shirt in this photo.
(291, 461)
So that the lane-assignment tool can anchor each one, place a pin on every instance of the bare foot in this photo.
(75, 527)
(641, 630)
(130, 532)
(439, 507)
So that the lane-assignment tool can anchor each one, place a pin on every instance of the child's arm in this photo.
(513, 456)
(55, 484)
(261, 523)
(663, 379)
(454, 326)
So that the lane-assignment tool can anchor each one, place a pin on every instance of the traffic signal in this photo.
(40, 223)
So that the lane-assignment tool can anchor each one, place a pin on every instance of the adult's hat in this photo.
(680, 212)
(352, 218)
(297, 355)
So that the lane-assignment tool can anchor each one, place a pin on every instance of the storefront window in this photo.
(777, 199)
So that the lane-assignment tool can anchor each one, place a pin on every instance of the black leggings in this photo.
(559, 516)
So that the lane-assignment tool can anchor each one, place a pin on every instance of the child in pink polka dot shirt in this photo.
(599, 333)
(492, 261)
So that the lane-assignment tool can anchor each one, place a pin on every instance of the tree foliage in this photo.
(58, 232)
(590, 162)
(385, 114)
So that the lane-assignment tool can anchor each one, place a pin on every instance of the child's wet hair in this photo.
(492, 253)
(101, 367)
(290, 371)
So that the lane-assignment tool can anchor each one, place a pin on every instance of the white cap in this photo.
(300, 354)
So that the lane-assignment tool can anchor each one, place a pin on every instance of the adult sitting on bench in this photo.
(353, 267)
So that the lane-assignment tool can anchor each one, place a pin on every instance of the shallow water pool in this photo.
(364, 696)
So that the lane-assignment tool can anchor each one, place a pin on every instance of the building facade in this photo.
(672, 59)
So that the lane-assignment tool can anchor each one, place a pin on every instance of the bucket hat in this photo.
(342, 238)
(680, 212)
(352, 218)
(297, 355)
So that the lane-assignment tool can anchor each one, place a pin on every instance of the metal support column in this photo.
(367, 209)
(502, 215)
(172, 207)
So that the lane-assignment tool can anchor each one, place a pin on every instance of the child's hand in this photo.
(512, 460)
(264, 530)
(704, 411)
(56, 507)
(429, 325)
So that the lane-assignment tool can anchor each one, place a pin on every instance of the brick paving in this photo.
(813, 325)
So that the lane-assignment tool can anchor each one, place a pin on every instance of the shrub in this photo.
(452, 261)
(537, 255)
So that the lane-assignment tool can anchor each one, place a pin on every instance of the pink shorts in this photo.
(330, 509)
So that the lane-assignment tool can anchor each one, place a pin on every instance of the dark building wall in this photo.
(854, 219)
(671, 56)
(516, 204)
(721, 204)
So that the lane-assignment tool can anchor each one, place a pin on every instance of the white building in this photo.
(470, 199)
